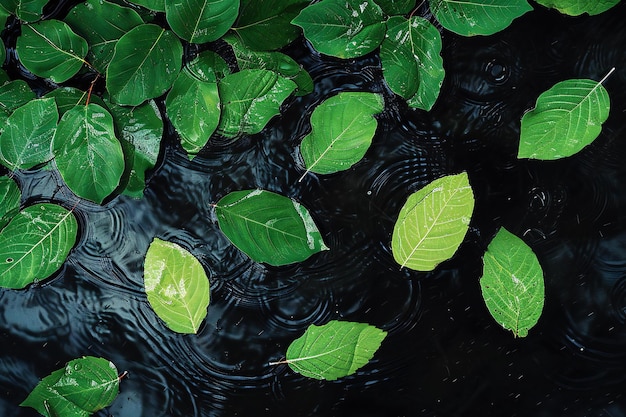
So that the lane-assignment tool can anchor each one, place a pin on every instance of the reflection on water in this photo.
(444, 355)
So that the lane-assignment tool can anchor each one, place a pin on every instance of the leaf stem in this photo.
(606, 76)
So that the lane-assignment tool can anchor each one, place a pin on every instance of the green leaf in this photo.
(265, 25)
(102, 33)
(145, 64)
(334, 350)
(201, 21)
(512, 283)
(4, 15)
(208, 66)
(193, 107)
(154, 5)
(35, 244)
(396, 7)
(433, 222)
(478, 17)
(268, 227)
(13, 95)
(82, 387)
(10, 197)
(250, 98)
(69, 97)
(343, 28)
(4, 79)
(566, 118)
(50, 49)
(411, 60)
(25, 10)
(177, 286)
(578, 7)
(26, 139)
(342, 130)
(3, 52)
(87, 153)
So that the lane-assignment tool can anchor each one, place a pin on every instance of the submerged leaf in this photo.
(512, 283)
(201, 21)
(176, 285)
(433, 222)
(578, 7)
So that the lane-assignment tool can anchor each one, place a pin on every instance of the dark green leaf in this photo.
(69, 97)
(13, 95)
(25, 10)
(4, 15)
(3, 52)
(201, 21)
(10, 197)
(208, 66)
(154, 5)
(396, 7)
(578, 7)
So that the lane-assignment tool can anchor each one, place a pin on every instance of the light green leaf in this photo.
(35, 244)
(145, 64)
(250, 98)
(343, 28)
(25, 10)
(396, 7)
(566, 118)
(177, 286)
(342, 130)
(478, 17)
(50, 49)
(69, 97)
(26, 139)
(433, 222)
(82, 387)
(411, 60)
(268, 227)
(334, 350)
(208, 66)
(193, 107)
(578, 7)
(265, 25)
(10, 197)
(102, 33)
(512, 283)
(87, 153)
(154, 5)
(201, 21)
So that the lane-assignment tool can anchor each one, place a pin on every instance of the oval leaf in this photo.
(200, 21)
(334, 350)
(268, 227)
(250, 98)
(154, 5)
(50, 49)
(25, 10)
(343, 28)
(512, 283)
(35, 244)
(396, 7)
(208, 66)
(478, 17)
(10, 196)
(578, 7)
(433, 223)
(87, 153)
(176, 285)
(145, 64)
(342, 130)
(566, 118)
(83, 387)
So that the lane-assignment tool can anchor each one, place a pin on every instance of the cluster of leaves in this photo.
(102, 143)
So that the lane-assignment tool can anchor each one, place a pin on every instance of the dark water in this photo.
(444, 355)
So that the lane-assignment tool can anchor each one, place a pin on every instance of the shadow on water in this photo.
(444, 355)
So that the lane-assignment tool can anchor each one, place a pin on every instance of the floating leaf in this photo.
(154, 5)
(512, 283)
(69, 97)
(265, 25)
(578, 7)
(342, 130)
(208, 66)
(26, 139)
(396, 7)
(433, 222)
(268, 227)
(334, 350)
(87, 153)
(566, 118)
(102, 33)
(10, 197)
(250, 98)
(177, 286)
(145, 64)
(50, 49)
(478, 17)
(343, 28)
(84, 386)
(201, 21)
(411, 60)
(193, 107)
(35, 244)
(25, 10)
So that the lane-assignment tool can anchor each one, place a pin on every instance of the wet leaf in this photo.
(512, 283)
(154, 5)
(268, 227)
(201, 21)
(145, 64)
(343, 28)
(342, 130)
(69, 97)
(334, 350)
(82, 387)
(13, 94)
(50, 49)
(25, 10)
(10, 197)
(566, 118)
(478, 17)
(176, 285)
(208, 66)
(433, 222)
(35, 244)
(396, 7)
(578, 7)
